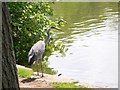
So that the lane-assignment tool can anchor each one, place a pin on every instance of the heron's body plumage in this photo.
(36, 51)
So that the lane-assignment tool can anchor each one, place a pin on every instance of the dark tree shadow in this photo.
(28, 80)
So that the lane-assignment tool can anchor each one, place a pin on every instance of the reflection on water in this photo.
(91, 36)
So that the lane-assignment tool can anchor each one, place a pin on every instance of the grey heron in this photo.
(38, 49)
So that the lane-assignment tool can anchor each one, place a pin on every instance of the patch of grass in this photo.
(65, 85)
(23, 72)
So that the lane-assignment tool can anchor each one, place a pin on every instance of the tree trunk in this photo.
(9, 71)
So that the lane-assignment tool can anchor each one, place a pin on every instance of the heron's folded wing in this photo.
(31, 53)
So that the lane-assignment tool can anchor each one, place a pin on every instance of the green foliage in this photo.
(65, 85)
(37, 67)
(23, 72)
(29, 21)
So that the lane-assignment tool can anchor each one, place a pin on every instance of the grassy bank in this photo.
(66, 85)
(24, 72)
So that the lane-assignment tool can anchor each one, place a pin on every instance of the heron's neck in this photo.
(48, 37)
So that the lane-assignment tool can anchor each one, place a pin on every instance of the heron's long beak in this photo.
(59, 29)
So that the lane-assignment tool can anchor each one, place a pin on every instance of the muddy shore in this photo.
(37, 82)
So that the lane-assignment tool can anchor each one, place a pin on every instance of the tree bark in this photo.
(9, 71)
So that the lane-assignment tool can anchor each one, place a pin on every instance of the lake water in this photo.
(91, 36)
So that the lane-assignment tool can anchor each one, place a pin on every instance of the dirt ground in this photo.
(37, 82)
(34, 83)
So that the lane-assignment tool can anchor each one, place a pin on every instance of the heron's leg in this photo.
(37, 68)
(42, 67)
